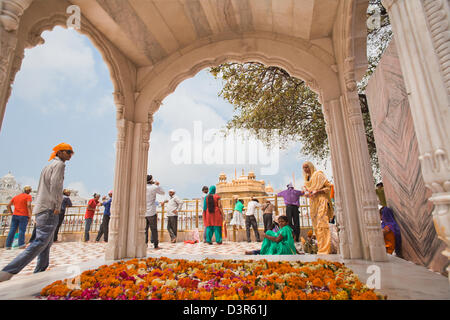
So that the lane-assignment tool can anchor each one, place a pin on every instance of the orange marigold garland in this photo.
(176, 279)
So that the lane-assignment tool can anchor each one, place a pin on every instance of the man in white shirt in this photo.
(205, 191)
(47, 208)
(174, 204)
(151, 217)
(250, 219)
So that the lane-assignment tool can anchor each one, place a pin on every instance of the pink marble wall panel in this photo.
(398, 154)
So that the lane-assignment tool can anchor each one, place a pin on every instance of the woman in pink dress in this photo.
(213, 219)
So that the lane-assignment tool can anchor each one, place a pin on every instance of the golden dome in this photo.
(269, 188)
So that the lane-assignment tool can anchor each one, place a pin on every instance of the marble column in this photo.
(10, 13)
(136, 246)
(367, 204)
(118, 230)
(345, 201)
(422, 34)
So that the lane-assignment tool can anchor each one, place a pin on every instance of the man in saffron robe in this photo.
(321, 209)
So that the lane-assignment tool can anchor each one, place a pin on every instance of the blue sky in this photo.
(63, 93)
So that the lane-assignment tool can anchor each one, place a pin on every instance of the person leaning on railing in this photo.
(21, 216)
(250, 219)
(174, 204)
(151, 217)
(267, 209)
(89, 215)
(104, 227)
(65, 204)
(238, 216)
(291, 198)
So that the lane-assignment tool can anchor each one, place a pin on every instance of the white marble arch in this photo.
(301, 60)
(122, 73)
(331, 69)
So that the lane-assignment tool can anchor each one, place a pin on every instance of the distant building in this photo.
(9, 188)
(244, 186)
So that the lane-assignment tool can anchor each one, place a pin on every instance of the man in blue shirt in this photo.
(104, 227)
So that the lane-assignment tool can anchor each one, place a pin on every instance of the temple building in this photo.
(243, 187)
(9, 188)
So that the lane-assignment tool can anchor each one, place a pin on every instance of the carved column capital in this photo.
(349, 74)
(119, 100)
(11, 11)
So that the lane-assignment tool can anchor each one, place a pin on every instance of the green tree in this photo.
(272, 105)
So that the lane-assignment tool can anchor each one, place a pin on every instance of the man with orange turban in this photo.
(46, 209)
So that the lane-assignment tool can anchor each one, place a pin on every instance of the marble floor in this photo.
(399, 279)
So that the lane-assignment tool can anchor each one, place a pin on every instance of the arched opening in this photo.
(188, 151)
(62, 93)
(322, 76)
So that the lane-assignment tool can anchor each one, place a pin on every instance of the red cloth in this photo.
(215, 218)
(20, 204)
(89, 211)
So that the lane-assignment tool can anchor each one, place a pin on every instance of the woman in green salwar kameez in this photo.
(277, 243)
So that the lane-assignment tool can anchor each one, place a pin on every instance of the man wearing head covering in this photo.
(380, 194)
(65, 204)
(321, 209)
(292, 201)
(174, 204)
(20, 217)
(250, 219)
(104, 227)
(151, 217)
(91, 207)
(205, 191)
(391, 231)
(47, 208)
(310, 244)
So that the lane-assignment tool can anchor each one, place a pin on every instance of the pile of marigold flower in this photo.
(176, 279)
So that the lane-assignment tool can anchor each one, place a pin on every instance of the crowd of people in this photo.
(279, 236)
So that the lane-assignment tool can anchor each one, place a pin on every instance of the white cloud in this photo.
(81, 188)
(181, 110)
(52, 72)
(28, 181)
(103, 106)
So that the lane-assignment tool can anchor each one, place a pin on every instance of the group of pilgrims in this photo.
(279, 235)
